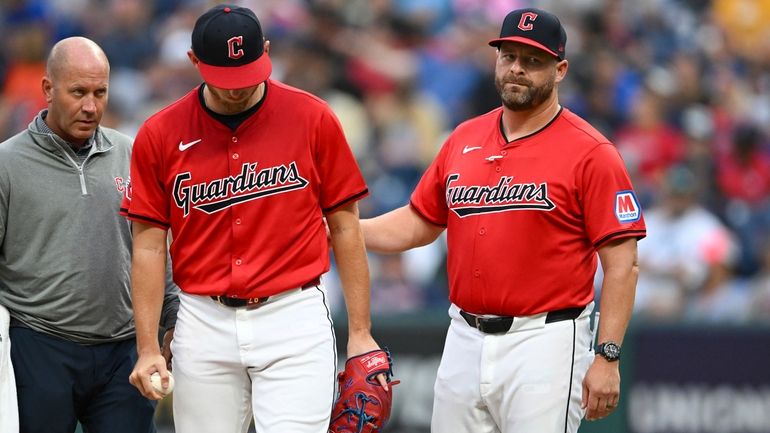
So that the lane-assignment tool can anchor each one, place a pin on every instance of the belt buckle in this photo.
(481, 324)
(478, 323)
(494, 324)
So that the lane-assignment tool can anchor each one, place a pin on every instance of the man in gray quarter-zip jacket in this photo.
(65, 257)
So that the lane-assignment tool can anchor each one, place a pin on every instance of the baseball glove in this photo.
(363, 405)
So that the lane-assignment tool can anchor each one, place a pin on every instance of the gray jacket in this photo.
(65, 252)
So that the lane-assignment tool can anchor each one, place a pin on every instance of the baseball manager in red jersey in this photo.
(242, 171)
(529, 195)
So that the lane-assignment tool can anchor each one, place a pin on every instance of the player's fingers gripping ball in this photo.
(363, 405)
(158, 385)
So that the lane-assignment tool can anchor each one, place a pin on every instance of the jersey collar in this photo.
(502, 129)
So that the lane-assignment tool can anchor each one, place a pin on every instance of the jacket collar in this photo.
(52, 142)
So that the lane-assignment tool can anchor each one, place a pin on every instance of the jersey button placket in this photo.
(235, 153)
(238, 270)
(233, 149)
(497, 161)
(238, 263)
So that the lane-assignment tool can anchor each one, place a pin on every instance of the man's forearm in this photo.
(621, 272)
(617, 303)
(350, 255)
(147, 285)
(397, 231)
(147, 298)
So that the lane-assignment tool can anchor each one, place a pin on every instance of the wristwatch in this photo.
(609, 350)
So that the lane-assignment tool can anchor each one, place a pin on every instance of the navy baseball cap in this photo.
(534, 27)
(229, 42)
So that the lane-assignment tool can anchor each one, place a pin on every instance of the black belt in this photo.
(253, 302)
(499, 325)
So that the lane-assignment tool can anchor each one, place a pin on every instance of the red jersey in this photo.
(524, 219)
(244, 207)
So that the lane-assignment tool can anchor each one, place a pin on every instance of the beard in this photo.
(527, 99)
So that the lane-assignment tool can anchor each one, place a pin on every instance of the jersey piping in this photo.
(638, 234)
(505, 139)
(571, 374)
(232, 121)
(354, 197)
(126, 213)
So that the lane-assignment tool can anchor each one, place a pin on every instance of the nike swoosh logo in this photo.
(470, 149)
(184, 146)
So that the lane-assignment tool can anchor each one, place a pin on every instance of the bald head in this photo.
(76, 89)
(75, 51)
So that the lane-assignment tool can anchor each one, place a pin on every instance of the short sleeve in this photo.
(609, 202)
(147, 199)
(429, 197)
(341, 180)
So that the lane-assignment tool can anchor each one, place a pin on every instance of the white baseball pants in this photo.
(526, 380)
(277, 362)
(9, 405)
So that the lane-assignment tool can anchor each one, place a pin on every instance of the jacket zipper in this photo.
(81, 174)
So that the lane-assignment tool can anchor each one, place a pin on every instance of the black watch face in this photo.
(611, 351)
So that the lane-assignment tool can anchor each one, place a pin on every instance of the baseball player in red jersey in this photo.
(528, 193)
(242, 171)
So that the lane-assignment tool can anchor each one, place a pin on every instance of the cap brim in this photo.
(496, 43)
(237, 77)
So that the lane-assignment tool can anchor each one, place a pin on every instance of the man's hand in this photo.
(601, 389)
(363, 342)
(363, 405)
(145, 366)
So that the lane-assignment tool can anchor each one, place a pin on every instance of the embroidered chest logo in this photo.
(123, 186)
(250, 184)
(465, 200)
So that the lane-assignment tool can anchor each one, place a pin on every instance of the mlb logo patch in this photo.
(627, 207)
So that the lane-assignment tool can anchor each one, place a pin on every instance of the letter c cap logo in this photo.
(527, 18)
(234, 44)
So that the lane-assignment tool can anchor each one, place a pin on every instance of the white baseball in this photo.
(156, 383)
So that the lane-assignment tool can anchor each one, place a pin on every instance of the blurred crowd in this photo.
(682, 87)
